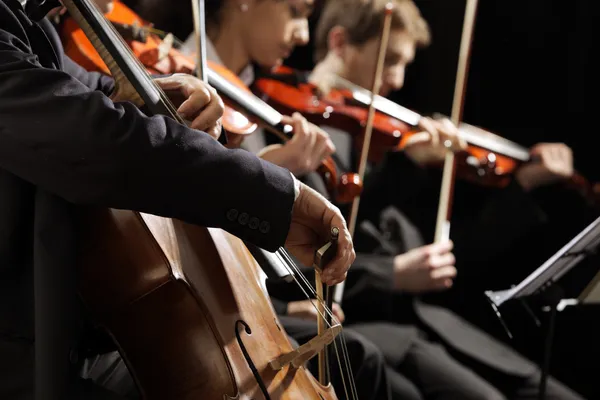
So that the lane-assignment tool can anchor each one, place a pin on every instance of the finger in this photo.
(338, 312)
(195, 102)
(336, 281)
(209, 116)
(217, 129)
(322, 135)
(435, 249)
(419, 139)
(173, 82)
(301, 136)
(563, 156)
(441, 260)
(554, 153)
(441, 284)
(451, 132)
(448, 272)
(429, 126)
(345, 255)
(310, 143)
(336, 272)
(321, 151)
(538, 148)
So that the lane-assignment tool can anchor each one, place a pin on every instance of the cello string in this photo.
(342, 339)
(294, 269)
(295, 273)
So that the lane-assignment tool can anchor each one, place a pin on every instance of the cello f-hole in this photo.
(248, 331)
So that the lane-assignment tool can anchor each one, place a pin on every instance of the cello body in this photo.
(188, 310)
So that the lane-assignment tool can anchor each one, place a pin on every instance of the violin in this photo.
(157, 55)
(159, 59)
(489, 159)
(186, 305)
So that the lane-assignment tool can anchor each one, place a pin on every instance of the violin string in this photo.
(294, 269)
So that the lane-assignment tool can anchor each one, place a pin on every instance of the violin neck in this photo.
(381, 104)
(472, 135)
(250, 104)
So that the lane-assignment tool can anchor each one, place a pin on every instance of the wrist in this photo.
(524, 180)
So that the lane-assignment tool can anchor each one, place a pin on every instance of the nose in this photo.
(301, 33)
(394, 77)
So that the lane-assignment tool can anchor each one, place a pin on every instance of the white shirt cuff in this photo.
(296, 187)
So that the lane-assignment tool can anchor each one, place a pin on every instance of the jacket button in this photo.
(253, 224)
(232, 214)
(243, 218)
(264, 227)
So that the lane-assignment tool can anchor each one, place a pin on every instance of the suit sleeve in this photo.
(93, 80)
(76, 143)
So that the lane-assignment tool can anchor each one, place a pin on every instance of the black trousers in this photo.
(428, 370)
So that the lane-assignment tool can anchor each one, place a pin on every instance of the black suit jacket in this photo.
(64, 143)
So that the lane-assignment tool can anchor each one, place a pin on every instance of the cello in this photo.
(186, 305)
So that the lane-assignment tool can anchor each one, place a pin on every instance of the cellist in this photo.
(366, 362)
(458, 360)
(65, 143)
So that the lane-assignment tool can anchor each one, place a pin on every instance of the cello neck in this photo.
(132, 80)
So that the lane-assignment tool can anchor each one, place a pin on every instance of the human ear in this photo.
(337, 41)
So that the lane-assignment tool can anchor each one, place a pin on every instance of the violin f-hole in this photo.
(257, 376)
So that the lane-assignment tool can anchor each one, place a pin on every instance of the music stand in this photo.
(542, 284)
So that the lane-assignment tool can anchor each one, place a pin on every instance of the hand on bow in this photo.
(305, 151)
(307, 309)
(437, 137)
(426, 268)
(553, 161)
(196, 100)
(312, 219)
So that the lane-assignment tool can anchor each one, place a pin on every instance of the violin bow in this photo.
(198, 13)
(442, 228)
(362, 166)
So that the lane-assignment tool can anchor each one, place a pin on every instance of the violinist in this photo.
(65, 144)
(271, 31)
(488, 225)
(451, 358)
